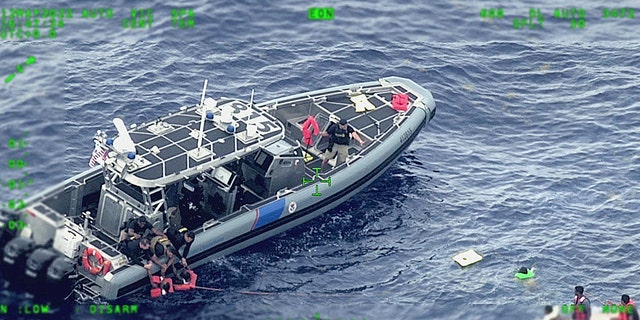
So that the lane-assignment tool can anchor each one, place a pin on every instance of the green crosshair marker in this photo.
(31, 60)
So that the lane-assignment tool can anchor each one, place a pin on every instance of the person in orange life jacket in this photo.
(178, 238)
(340, 136)
(185, 279)
(137, 227)
(628, 309)
(159, 247)
(160, 286)
(582, 305)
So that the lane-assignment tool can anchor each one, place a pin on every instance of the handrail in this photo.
(158, 207)
(283, 192)
(210, 223)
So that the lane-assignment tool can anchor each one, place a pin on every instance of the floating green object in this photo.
(9, 78)
(31, 60)
(525, 273)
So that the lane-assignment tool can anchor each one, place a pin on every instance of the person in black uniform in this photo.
(137, 228)
(138, 250)
(340, 136)
(178, 238)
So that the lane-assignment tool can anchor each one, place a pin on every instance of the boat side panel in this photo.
(268, 213)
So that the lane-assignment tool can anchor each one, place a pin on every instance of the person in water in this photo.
(340, 136)
(160, 286)
(185, 279)
(551, 313)
(524, 273)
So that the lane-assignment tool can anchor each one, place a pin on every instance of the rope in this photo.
(271, 292)
(239, 291)
(206, 288)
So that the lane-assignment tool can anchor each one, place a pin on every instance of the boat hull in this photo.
(259, 221)
(241, 232)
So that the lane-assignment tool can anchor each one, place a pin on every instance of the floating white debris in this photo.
(466, 258)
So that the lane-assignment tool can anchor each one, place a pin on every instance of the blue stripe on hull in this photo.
(268, 213)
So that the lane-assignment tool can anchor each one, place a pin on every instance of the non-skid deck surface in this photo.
(370, 122)
(175, 144)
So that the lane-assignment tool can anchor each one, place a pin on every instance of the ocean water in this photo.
(532, 158)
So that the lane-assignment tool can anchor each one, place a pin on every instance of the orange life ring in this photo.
(306, 133)
(92, 268)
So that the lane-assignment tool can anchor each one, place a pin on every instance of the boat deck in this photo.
(373, 125)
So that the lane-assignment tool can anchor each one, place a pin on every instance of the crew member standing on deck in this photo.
(340, 136)
(582, 305)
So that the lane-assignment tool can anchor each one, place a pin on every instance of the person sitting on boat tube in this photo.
(160, 246)
(160, 286)
(340, 136)
(178, 238)
(138, 227)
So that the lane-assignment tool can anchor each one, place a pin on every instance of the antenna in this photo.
(203, 111)
(123, 143)
(251, 101)
(200, 153)
(235, 137)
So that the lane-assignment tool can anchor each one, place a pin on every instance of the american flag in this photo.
(99, 156)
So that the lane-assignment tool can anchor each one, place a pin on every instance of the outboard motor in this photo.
(60, 280)
(36, 267)
(15, 258)
(5, 233)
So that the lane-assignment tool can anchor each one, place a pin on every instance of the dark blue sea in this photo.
(532, 158)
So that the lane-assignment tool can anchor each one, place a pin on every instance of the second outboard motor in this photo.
(59, 281)
(6, 234)
(36, 267)
(15, 259)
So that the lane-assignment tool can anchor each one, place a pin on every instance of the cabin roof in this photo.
(167, 149)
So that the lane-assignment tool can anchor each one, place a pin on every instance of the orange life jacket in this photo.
(579, 312)
(627, 313)
(157, 292)
(187, 286)
(306, 130)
